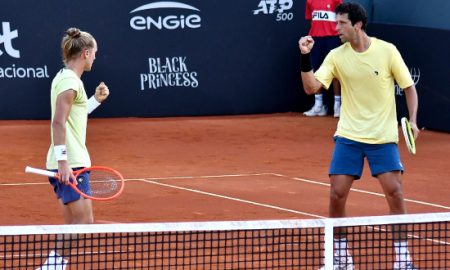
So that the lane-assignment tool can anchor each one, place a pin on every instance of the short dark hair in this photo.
(356, 13)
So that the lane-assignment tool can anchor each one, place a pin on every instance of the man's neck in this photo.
(76, 67)
(361, 43)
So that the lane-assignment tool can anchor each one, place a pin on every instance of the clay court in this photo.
(213, 169)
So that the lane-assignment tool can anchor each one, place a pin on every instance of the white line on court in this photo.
(296, 179)
(367, 192)
(232, 198)
(209, 176)
(23, 184)
(155, 182)
(251, 174)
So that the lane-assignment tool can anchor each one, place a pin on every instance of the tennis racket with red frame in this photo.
(105, 183)
(409, 136)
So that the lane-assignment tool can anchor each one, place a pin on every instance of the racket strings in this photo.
(104, 183)
(408, 135)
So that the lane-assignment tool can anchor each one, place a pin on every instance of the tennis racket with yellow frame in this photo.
(408, 135)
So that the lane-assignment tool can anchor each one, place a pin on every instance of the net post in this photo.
(328, 245)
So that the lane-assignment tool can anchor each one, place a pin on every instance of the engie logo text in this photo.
(165, 15)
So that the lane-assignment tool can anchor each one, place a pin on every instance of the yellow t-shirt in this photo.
(368, 111)
(77, 154)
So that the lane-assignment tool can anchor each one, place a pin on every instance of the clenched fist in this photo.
(101, 92)
(306, 44)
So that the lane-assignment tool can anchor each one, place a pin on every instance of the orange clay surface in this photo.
(213, 169)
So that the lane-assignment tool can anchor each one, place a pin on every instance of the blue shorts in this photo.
(348, 158)
(65, 192)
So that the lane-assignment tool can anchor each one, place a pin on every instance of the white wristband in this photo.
(92, 104)
(60, 152)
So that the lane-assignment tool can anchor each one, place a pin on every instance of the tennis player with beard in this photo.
(367, 69)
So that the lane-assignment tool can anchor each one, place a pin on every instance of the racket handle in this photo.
(29, 169)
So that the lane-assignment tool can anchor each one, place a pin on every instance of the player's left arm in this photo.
(412, 102)
(403, 77)
(101, 93)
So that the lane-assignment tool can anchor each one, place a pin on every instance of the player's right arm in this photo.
(62, 110)
(310, 84)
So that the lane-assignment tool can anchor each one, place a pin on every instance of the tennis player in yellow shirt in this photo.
(68, 152)
(366, 68)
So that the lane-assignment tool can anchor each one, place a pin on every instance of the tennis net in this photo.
(381, 242)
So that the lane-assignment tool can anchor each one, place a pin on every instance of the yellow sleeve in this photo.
(326, 71)
(400, 70)
(67, 84)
